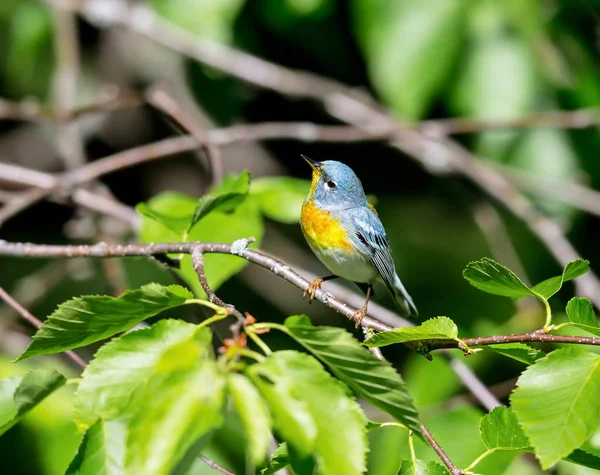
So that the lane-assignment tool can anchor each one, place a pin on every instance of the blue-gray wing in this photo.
(369, 236)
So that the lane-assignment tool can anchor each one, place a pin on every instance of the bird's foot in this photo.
(311, 290)
(359, 315)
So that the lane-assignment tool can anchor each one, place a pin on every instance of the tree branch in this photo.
(454, 470)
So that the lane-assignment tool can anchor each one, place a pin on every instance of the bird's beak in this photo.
(316, 166)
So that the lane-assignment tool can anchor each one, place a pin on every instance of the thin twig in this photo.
(198, 263)
(215, 466)
(35, 322)
(111, 99)
(535, 336)
(160, 99)
(454, 470)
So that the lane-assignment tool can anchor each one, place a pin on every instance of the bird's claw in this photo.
(359, 315)
(311, 290)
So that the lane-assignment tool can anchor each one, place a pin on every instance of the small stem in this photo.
(411, 446)
(479, 459)
(206, 303)
(249, 353)
(215, 318)
(256, 339)
(395, 424)
(548, 324)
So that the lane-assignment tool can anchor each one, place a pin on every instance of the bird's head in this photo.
(335, 185)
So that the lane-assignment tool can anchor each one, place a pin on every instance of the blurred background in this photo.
(523, 74)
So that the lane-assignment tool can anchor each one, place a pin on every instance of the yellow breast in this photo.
(322, 230)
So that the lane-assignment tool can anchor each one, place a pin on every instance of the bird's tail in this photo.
(403, 300)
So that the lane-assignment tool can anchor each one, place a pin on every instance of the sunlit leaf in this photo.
(179, 405)
(340, 442)
(84, 320)
(370, 378)
(280, 198)
(493, 278)
(422, 467)
(410, 47)
(439, 328)
(500, 430)
(231, 193)
(557, 404)
(254, 415)
(279, 460)
(102, 450)
(218, 226)
(114, 382)
(572, 270)
(581, 314)
(20, 394)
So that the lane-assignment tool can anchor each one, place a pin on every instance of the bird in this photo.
(343, 230)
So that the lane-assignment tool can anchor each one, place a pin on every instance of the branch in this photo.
(275, 266)
(110, 99)
(454, 470)
(215, 466)
(535, 336)
(35, 322)
(160, 99)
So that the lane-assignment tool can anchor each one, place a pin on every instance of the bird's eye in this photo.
(331, 185)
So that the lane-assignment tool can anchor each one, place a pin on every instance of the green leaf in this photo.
(493, 278)
(254, 415)
(114, 382)
(84, 320)
(280, 198)
(410, 48)
(500, 430)
(581, 314)
(102, 450)
(279, 460)
(178, 407)
(369, 378)
(586, 459)
(518, 351)
(421, 467)
(20, 394)
(558, 414)
(177, 224)
(218, 226)
(572, 270)
(214, 20)
(230, 194)
(439, 328)
(340, 443)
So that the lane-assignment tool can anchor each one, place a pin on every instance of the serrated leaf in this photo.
(280, 198)
(218, 226)
(581, 314)
(253, 414)
(20, 394)
(439, 328)
(500, 430)
(102, 450)
(572, 270)
(279, 460)
(558, 414)
(421, 467)
(178, 407)
(369, 378)
(231, 193)
(84, 320)
(518, 351)
(114, 382)
(410, 47)
(493, 278)
(340, 443)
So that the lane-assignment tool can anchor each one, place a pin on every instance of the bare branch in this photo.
(454, 470)
(215, 466)
(160, 99)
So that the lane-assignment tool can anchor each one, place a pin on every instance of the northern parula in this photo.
(344, 231)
